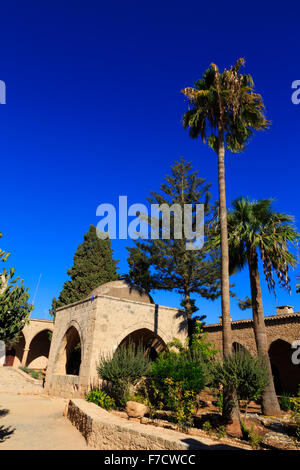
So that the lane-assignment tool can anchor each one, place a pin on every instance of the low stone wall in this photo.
(104, 431)
(66, 386)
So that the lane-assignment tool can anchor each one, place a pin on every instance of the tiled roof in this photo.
(271, 318)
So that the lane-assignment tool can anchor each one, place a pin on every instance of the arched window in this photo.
(286, 374)
(39, 350)
(150, 341)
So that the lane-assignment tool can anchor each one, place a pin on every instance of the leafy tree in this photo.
(93, 265)
(14, 307)
(224, 110)
(177, 379)
(256, 228)
(197, 349)
(3, 254)
(243, 374)
(167, 264)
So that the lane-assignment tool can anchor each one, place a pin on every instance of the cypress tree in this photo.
(93, 265)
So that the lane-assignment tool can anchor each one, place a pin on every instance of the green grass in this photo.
(33, 373)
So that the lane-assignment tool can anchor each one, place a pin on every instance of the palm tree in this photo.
(255, 228)
(224, 110)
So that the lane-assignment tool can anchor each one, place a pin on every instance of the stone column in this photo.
(25, 356)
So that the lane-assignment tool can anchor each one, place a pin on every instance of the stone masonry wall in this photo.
(104, 431)
(102, 323)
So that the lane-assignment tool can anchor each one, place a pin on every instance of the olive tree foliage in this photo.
(14, 306)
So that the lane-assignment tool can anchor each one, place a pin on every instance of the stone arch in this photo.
(286, 374)
(141, 326)
(70, 352)
(39, 347)
(148, 339)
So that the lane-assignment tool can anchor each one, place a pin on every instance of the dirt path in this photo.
(36, 422)
(11, 380)
(32, 421)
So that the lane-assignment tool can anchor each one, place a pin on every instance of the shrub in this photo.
(242, 374)
(249, 435)
(221, 431)
(207, 427)
(296, 413)
(285, 402)
(100, 398)
(219, 401)
(178, 378)
(122, 369)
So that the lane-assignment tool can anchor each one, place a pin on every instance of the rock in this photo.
(135, 409)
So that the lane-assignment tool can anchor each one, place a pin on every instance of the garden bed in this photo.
(276, 433)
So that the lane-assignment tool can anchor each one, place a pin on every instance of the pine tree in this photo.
(166, 264)
(93, 265)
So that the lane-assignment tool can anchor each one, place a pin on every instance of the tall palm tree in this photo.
(224, 110)
(255, 228)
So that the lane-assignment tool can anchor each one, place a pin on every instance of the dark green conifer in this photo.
(93, 265)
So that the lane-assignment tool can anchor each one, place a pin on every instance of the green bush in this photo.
(207, 427)
(242, 374)
(249, 435)
(124, 368)
(219, 401)
(177, 379)
(221, 431)
(296, 413)
(100, 398)
(285, 402)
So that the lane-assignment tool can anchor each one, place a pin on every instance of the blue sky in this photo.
(94, 111)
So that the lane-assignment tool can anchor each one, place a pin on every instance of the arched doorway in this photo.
(286, 374)
(10, 357)
(150, 341)
(69, 357)
(39, 350)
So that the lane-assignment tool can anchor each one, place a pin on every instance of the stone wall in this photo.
(102, 323)
(285, 327)
(282, 330)
(104, 431)
(32, 348)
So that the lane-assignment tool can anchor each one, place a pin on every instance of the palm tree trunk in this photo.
(270, 405)
(226, 321)
(230, 404)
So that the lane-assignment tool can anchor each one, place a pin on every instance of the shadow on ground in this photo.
(5, 431)
(195, 445)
